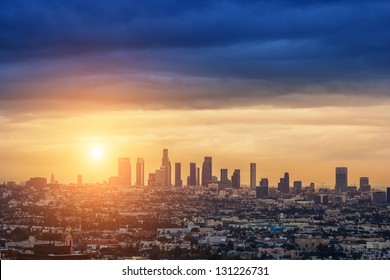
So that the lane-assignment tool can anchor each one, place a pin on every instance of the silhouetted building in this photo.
(197, 176)
(364, 184)
(388, 195)
(152, 180)
(167, 164)
(262, 190)
(297, 187)
(341, 179)
(207, 169)
(253, 176)
(379, 197)
(38, 182)
(160, 177)
(79, 180)
(140, 172)
(236, 180)
(178, 180)
(124, 170)
(192, 177)
(224, 176)
(284, 184)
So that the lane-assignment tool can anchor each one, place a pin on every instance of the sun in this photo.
(96, 153)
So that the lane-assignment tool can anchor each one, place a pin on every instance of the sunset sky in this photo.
(297, 86)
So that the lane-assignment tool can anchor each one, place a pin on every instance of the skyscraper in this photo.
(192, 177)
(178, 181)
(341, 179)
(262, 190)
(197, 176)
(284, 184)
(207, 169)
(167, 164)
(224, 176)
(79, 180)
(388, 194)
(236, 180)
(140, 172)
(253, 176)
(124, 171)
(364, 184)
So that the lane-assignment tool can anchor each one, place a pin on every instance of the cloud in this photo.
(202, 53)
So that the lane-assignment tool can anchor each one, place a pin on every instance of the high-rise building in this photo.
(341, 179)
(297, 187)
(262, 190)
(207, 170)
(124, 171)
(224, 176)
(253, 176)
(236, 180)
(140, 176)
(388, 195)
(284, 184)
(178, 181)
(152, 180)
(167, 164)
(365, 184)
(192, 177)
(197, 176)
(79, 180)
(160, 177)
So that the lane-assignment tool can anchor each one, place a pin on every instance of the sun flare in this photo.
(96, 153)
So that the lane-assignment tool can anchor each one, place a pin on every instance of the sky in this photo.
(297, 86)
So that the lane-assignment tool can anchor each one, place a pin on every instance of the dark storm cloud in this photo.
(286, 47)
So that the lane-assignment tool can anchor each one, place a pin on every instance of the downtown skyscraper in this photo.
(140, 172)
(253, 176)
(124, 171)
(341, 179)
(166, 165)
(207, 169)
(178, 180)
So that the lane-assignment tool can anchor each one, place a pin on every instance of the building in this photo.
(388, 195)
(79, 180)
(262, 190)
(178, 180)
(297, 187)
(140, 172)
(364, 184)
(284, 184)
(197, 176)
(378, 197)
(253, 175)
(38, 182)
(207, 170)
(160, 177)
(124, 171)
(224, 176)
(236, 180)
(167, 167)
(341, 179)
(192, 177)
(152, 180)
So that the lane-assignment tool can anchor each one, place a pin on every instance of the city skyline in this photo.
(291, 86)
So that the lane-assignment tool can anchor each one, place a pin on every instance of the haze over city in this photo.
(297, 86)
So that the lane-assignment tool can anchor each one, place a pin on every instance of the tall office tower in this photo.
(341, 179)
(297, 187)
(124, 170)
(140, 176)
(365, 184)
(236, 180)
(192, 177)
(388, 195)
(224, 176)
(284, 184)
(160, 177)
(178, 181)
(253, 176)
(79, 180)
(52, 180)
(167, 164)
(198, 176)
(262, 190)
(152, 180)
(207, 171)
